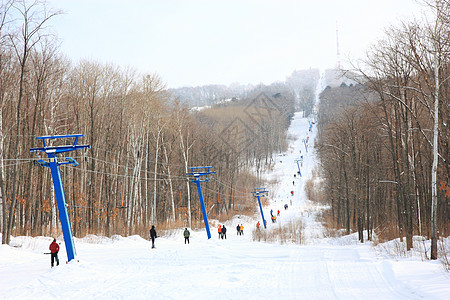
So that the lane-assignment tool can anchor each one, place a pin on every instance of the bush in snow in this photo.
(291, 232)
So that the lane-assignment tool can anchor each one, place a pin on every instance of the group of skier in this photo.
(222, 230)
(272, 217)
(240, 229)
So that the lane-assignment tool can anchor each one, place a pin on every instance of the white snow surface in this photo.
(235, 268)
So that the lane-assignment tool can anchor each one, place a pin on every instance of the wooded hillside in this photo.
(142, 141)
(384, 145)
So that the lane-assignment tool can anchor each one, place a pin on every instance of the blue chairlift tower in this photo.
(53, 164)
(260, 192)
(298, 161)
(197, 172)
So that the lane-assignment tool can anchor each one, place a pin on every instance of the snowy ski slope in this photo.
(235, 268)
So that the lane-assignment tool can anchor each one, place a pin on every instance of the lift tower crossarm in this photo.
(59, 149)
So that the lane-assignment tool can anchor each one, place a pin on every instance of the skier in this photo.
(186, 235)
(271, 212)
(293, 182)
(257, 225)
(292, 193)
(278, 212)
(153, 236)
(54, 249)
(238, 229)
(219, 230)
(224, 232)
(285, 206)
(242, 229)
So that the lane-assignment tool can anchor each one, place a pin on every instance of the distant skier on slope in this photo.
(238, 229)
(186, 234)
(219, 231)
(54, 249)
(153, 235)
(224, 232)
(242, 229)
(257, 225)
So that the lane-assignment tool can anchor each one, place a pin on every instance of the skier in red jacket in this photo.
(54, 249)
(219, 230)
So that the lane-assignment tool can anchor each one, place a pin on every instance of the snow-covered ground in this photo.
(235, 268)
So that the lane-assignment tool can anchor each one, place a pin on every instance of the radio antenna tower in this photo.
(338, 54)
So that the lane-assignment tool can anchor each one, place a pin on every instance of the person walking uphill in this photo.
(186, 235)
(54, 249)
(153, 235)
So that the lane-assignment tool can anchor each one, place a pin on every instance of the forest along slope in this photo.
(237, 267)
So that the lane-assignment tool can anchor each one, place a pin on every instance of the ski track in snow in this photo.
(235, 268)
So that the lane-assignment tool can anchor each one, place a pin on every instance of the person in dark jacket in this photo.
(224, 232)
(153, 235)
(238, 229)
(54, 249)
(186, 235)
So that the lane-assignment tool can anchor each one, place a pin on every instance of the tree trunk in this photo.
(2, 187)
(169, 175)
(155, 176)
(434, 169)
(16, 146)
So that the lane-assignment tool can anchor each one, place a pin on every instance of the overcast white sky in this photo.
(198, 42)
